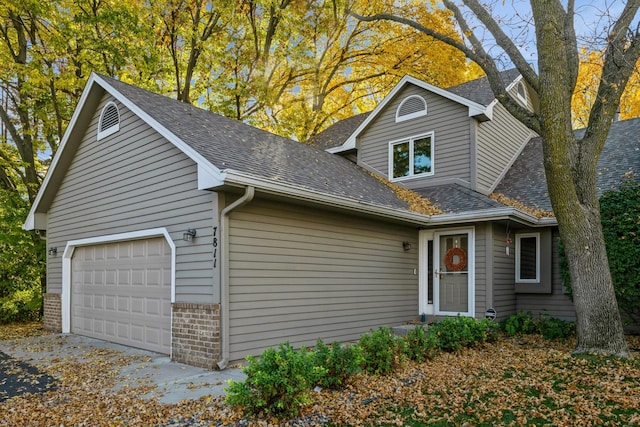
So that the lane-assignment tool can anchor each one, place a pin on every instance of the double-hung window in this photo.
(411, 157)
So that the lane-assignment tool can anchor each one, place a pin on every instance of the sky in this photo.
(592, 19)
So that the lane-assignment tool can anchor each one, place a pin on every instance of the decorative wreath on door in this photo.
(462, 259)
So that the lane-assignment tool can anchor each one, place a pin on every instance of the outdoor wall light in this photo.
(189, 235)
(406, 245)
(53, 250)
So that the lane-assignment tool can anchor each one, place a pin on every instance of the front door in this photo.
(453, 272)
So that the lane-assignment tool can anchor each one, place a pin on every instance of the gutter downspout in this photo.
(224, 276)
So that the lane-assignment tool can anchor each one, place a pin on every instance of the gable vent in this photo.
(411, 107)
(109, 120)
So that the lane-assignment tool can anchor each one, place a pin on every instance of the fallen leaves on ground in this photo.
(516, 381)
(13, 331)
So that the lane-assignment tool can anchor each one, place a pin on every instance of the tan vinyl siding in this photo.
(448, 120)
(298, 274)
(480, 271)
(129, 181)
(499, 141)
(558, 303)
(504, 299)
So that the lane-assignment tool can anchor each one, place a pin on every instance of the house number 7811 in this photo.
(215, 247)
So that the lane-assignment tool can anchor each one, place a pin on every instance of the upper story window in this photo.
(411, 107)
(521, 91)
(411, 157)
(528, 258)
(109, 122)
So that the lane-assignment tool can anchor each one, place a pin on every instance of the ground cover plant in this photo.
(516, 380)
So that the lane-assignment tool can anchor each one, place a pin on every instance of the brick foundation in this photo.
(52, 312)
(196, 334)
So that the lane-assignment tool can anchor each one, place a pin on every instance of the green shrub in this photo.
(492, 330)
(454, 333)
(551, 328)
(520, 323)
(380, 351)
(524, 323)
(22, 305)
(22, 262)
(420, 344)
(338, 362)
(278, 382)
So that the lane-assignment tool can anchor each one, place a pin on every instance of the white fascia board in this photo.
(513, 83)
(29, 224)
(475, 109)
(208, 174)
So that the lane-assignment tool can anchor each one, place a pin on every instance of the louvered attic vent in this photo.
(412, 107)
(109, 120)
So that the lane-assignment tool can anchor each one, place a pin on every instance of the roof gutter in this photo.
(305, 194)
(224, 279)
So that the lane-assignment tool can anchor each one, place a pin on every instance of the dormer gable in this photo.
(474, 109)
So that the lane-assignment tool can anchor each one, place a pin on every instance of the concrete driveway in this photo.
(170, 382)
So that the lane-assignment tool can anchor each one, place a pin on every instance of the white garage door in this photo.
(121, 292)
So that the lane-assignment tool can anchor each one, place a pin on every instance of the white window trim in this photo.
(420, 113)
(410, 141)
(524, 89)
(518, 249)
(111, 130)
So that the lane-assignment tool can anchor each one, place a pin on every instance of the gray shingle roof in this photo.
(526, 181)
(479, 91)
(229, 144)
(336, 134)
(454, 198)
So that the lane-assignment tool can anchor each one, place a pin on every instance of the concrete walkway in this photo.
(174, 381)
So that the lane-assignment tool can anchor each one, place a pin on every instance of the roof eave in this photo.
(236, 178)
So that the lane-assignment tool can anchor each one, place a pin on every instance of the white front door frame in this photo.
(434, 235)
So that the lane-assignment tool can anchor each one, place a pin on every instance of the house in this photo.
(176, 230)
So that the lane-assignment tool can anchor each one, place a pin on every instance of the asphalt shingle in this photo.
(229, 144)
(455, 198)
(526, 180)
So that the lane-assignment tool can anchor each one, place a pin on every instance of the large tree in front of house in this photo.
(570, 163)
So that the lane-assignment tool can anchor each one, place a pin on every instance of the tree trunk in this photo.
(570, 167)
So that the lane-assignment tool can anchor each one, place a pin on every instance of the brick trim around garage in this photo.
(196, 334)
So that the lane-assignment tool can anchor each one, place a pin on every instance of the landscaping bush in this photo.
(21, 306)
(520, 323)
(22, 263)
(278, 382)
(492, 330)
(381, 351)
(421, 344)
(338, 361)
(454, 333)
(524, 323)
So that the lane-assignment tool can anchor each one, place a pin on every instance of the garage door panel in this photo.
(121, 292)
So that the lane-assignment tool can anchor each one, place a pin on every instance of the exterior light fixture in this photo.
(53, 250)
(189, 235)
(406, 245)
